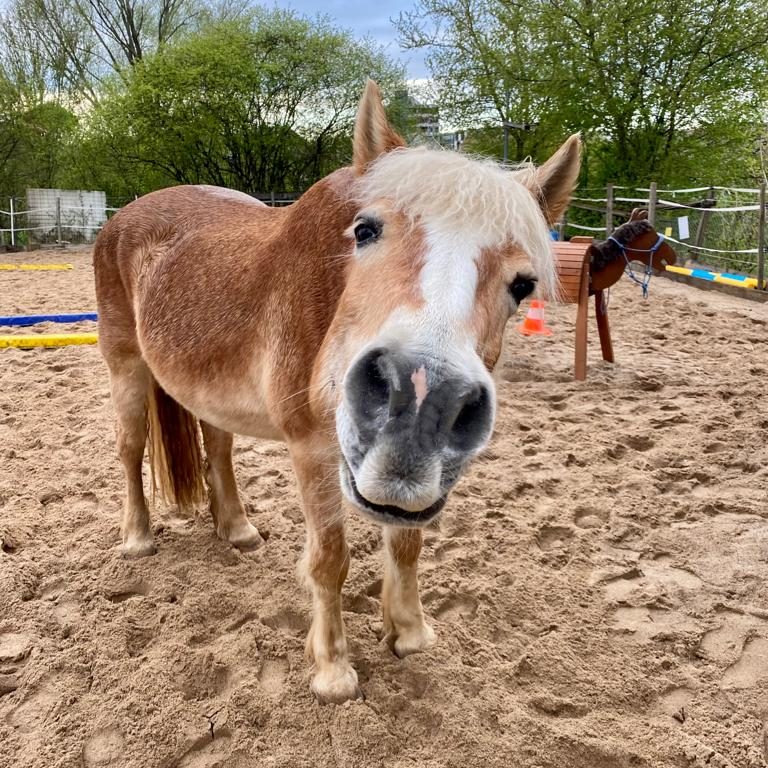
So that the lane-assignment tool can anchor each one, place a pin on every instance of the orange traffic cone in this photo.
(533, 325)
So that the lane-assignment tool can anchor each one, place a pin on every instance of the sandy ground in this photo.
(599, 582)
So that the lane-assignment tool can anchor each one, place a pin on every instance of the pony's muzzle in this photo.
(416, 426)
(389, 393)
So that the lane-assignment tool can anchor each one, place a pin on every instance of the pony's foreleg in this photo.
(325, 565)
(407, 631)
(227, 509)
(130, 381)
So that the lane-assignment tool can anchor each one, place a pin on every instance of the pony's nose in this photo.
(390, 392)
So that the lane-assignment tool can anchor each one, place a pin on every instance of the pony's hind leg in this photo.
(407, 630)
(229, 516)
(130, 381)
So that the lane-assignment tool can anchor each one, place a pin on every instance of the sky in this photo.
(364, 17)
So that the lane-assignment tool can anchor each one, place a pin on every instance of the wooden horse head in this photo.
(636, 240)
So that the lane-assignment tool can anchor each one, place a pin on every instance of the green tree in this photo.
(257, 104)
(35, 132)
(79, 43)
(660, 88)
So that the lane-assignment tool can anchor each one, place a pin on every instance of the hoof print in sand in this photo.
(14, 647)
(751, 669)
(675, 703)
(448, 550)
(655, 577)
(273, 674)
(591, 517)
(103, 748)
(725, 643)
(558, 707)
(207, 751)
(288, 622)
(136, 590)
(241, 622)
(553, 537)
(646, 624)
(460, 607)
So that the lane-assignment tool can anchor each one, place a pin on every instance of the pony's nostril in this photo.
(473, 421)
(368, 384)
(376, 379)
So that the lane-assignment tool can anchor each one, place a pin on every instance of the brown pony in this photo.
(360, 325)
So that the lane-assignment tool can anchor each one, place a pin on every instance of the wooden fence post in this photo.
(561, 227)
(703, 221)
(652, 198)
(609, 210)
(761, 241)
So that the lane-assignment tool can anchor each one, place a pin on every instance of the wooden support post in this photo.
(761, 241)
(582, 313)
(652, 198)
(609, 210)
(561, 227)
(601, 313)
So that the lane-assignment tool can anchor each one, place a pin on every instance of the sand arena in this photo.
(599, 581)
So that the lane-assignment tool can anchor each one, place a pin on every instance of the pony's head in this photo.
(445, 249)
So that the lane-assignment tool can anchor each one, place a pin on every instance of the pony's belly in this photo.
(233, 406)
(250, 423)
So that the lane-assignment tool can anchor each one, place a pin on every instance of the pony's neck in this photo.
(320, 217)
(311, 253)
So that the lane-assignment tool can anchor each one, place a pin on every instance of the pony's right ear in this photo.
(553, 183)
(373, 134)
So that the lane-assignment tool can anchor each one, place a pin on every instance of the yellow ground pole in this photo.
(47, 340)
(35, 267)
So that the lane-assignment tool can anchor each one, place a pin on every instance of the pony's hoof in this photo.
(134, 547)
(336, 685)
(244, 536)
(412, 640)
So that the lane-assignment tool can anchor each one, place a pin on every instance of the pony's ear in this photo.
(553, 183)
(373, 133)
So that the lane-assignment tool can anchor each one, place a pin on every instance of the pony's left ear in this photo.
(552, 184)
(373, 133)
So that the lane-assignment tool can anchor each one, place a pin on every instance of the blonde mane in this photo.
(459, 193)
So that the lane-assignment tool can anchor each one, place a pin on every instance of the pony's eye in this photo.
(366, 232)
(521, 288)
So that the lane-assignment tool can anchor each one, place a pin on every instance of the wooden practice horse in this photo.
(360, 325)
(588, 267)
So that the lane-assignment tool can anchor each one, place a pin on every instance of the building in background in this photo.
(420, 123)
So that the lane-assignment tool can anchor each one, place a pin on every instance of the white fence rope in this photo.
(696, 189)
(708, 250)
(732, 209)
(586, 229)
(668, 204)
